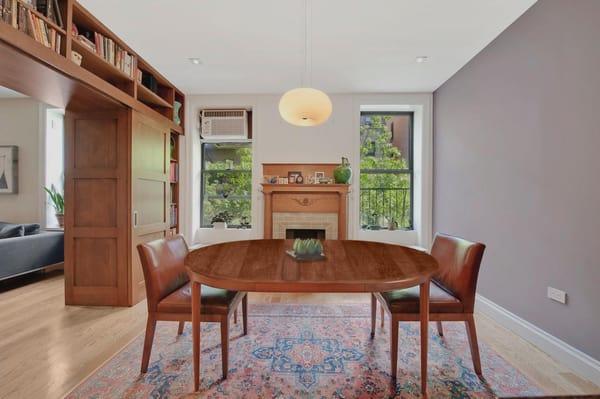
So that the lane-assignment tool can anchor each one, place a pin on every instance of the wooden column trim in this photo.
(268, 217)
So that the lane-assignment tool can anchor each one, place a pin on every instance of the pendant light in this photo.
(305, 106)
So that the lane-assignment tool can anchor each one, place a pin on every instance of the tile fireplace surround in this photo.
(305, 220)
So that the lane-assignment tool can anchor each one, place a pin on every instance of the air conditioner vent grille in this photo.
(229, 113)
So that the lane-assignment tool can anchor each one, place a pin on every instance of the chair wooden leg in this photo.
(382, 315)
(394, 345)
(245, 313)
(373, 314)
(472, 335)
(150, 328)
(440, 329)
(235, 316)
(225, 345)
(180, 328)
(424, 331)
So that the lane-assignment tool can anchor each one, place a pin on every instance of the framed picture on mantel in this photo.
(9, 157)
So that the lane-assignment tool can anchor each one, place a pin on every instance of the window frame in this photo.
(203, 143)
(410, 171)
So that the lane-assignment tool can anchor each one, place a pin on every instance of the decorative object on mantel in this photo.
(305, 106)
(307, 250)
(294, 176)
(58, 203)
(9, 162)
(343, 173)
(220, 220)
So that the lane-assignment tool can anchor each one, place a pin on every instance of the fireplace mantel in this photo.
(306, 198)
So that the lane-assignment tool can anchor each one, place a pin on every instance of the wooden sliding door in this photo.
(149, 190)
(97, 208)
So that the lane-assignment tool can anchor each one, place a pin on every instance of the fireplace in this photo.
(303, 206)
(305, 233)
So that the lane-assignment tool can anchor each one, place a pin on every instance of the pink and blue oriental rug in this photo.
(305, 351)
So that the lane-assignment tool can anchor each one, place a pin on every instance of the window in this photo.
(386, 170)
(227, 183)
(54, 165)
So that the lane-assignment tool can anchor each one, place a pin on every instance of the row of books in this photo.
(173, 215)
(48, 8)
(105, 48)
(27, 22)
(174, 172)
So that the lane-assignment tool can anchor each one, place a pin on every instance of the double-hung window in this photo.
(226, 183)
(386, 170)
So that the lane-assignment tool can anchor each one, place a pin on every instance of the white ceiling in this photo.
(8, 93)
(357, 45)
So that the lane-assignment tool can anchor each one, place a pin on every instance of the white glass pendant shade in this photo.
(305, 107)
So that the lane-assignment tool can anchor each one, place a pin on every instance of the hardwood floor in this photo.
(47, 348)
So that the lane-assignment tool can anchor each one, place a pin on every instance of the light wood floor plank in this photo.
(47, 348)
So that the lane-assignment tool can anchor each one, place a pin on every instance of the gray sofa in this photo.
(20, 254)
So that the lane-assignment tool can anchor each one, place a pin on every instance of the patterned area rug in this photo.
(305, 351)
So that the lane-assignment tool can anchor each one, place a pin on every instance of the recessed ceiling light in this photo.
(195, 61)
(421, 59)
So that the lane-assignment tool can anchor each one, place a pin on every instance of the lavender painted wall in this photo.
(517, 166)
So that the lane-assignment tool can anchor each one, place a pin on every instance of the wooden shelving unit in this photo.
(150, 98)
(174, 184)
(94, 69)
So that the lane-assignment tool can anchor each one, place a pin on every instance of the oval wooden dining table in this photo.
(349, 266)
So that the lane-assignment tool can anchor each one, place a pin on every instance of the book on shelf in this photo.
(6, 11)
(28, 22)
(105, 48)
(173, 215)
(174, 172)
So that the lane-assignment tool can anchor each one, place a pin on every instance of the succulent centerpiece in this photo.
(307, 249)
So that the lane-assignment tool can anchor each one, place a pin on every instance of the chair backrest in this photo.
(163, 266)
(459, 262)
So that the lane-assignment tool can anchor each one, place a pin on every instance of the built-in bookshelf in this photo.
(174, 183)
(42, 20)
(66, 28)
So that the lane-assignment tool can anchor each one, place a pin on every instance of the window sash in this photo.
(204, 172)
(408, 172)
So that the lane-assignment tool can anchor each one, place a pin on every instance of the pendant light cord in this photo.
(307, 76)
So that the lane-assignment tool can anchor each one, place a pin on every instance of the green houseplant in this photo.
(220, 220)
(58, 203)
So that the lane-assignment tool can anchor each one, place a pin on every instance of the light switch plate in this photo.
(557, 295)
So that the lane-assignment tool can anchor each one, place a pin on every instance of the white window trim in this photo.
(421, 105)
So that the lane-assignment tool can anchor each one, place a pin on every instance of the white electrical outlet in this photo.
(557, 295)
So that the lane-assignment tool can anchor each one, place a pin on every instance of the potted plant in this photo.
(220, 220)
(58, 203)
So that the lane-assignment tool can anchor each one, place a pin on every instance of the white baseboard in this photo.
(581, 363)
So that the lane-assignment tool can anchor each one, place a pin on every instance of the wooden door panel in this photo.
(100, 270)
(149, 190)
(96, 144)
(97, 210)
(88, 210)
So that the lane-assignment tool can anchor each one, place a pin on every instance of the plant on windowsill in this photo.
(58, 203)
(220, 220)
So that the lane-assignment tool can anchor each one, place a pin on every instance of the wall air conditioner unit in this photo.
(229, 124)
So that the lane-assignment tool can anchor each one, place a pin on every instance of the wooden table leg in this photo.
(196, 295)
(424, 310)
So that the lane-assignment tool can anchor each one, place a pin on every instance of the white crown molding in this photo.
(581, 363)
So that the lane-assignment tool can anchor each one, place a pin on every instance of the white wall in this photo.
(21, 124)
(274, 140)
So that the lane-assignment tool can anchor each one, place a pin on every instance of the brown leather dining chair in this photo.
(169, 295)
(451, 297)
